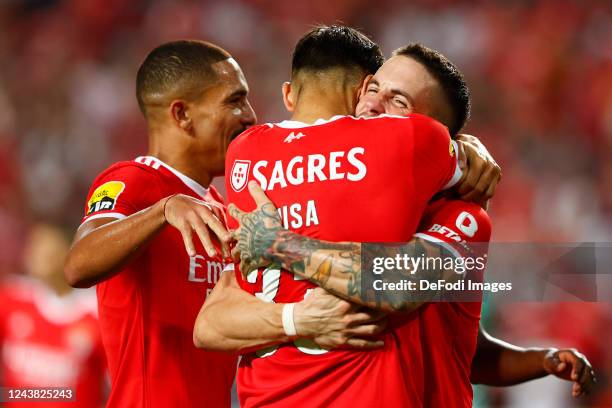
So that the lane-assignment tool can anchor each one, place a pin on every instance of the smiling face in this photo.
(222, 113)
(403, 86)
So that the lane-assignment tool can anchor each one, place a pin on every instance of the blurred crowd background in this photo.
(541, 79)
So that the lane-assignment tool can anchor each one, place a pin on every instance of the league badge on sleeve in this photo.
(105, 197)
(240, 174)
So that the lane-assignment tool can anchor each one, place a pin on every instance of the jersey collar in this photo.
(189, 182)
(294, 124)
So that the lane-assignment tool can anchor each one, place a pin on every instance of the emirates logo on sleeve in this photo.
(240, 174)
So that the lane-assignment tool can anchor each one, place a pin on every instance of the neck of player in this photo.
(181, 156)
(320, 103)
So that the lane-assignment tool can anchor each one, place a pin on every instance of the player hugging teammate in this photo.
(294, 307)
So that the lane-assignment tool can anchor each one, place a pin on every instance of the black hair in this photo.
(336, 46)
(450, 78)
(177, 64)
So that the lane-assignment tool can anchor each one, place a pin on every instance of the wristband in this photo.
(288, 323)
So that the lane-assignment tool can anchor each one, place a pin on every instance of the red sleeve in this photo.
(435, 157)
(464, 227)
(120, 191)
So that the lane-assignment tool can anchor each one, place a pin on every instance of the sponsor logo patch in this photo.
(240, 174)
(451, 149)
(105, 197)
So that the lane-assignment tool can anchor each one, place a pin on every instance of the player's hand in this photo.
(189, 215)
(481, 174)
(332, 322)
(257, 231)
(571, 365)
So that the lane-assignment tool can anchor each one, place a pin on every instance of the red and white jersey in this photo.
(50, 341)
(448, 331)
(347, 179)
(147, 311)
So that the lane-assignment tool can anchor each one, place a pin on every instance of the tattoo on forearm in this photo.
(337, 267)
(311, 259)
(398, 300)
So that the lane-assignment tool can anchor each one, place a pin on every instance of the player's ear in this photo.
(288, 96)
(181, 115)
(364, 85)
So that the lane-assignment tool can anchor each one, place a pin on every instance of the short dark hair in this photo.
(336, 46)
(450, 78)
(175, 65)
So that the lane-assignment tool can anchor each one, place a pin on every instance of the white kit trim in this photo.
(294, 124)
(155, 163)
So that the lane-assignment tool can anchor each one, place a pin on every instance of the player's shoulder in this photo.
(430, 131)
(407, 120)
(138, 168)
(248, 135)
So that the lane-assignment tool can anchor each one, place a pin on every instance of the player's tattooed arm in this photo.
(342, 268)
(233, 320)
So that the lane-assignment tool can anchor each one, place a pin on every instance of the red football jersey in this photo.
(448, 331)
(147, 311)
(347, 179)
(50, 341)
